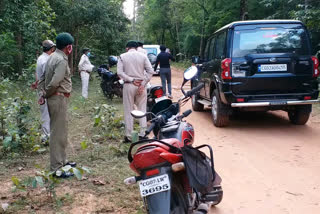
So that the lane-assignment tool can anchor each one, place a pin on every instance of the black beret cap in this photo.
(63, 40)
(132, 44)
(140, 43)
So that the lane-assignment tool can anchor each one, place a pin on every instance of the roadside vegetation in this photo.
(95, 134)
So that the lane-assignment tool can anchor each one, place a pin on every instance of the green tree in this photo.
(27, 22)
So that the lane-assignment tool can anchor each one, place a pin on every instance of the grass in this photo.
(184, 64)
(105, 156)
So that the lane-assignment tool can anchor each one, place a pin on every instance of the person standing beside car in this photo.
(48, 48)
(163, 59)
(57, 89)
(85, 68)
(136, 71)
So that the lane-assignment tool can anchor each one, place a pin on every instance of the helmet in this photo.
(113, 60)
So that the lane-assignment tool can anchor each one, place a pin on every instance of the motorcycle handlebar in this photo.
(150, 128)
(194, 90)
(187, 113)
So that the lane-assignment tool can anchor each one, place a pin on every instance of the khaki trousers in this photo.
(130, 97)
(57, 106)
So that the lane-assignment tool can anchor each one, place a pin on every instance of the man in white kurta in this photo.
(85, 68)
(48, 48)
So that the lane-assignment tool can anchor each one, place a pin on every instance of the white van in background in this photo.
(153, 49)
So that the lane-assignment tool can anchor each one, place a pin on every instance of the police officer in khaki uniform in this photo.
(57, 89)
(131, 68)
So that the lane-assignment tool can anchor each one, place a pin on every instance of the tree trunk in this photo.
(243, 10)
(134, 19)
(178, 39)
(76, 50)
(202, 30)
(19, 57)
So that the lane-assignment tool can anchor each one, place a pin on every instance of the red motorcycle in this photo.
(173, 176)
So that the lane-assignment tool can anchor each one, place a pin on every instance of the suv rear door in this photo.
(205, 75)
(271, 59)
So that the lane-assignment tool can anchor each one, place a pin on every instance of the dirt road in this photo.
(268, 166)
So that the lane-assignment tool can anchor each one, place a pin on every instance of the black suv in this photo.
(258, 66)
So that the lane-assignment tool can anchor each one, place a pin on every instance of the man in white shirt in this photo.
(85, 68)
(136, 71)
(48, 48)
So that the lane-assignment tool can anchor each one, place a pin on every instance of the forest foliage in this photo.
(97, 24)
(185, 25)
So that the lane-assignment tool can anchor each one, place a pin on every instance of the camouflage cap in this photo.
(48, 44)
(63, 40)
(132, 44)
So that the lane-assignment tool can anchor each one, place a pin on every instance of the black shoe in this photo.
(143, 138)
(71, 163)
(62, 174)
(126, 140)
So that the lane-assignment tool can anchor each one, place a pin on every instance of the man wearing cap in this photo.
(136, 71)
(48, 48)
(57, 89)
(140, 48)
(85, 68)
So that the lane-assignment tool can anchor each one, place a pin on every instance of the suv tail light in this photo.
(225, 67)
(315, 66)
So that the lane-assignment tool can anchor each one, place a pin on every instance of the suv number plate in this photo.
(272, 67)
(154, 185)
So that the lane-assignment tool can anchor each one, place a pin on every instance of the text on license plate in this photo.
(272, 67)
(154, 185)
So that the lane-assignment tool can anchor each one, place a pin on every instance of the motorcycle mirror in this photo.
(138, 114)
(190, 72)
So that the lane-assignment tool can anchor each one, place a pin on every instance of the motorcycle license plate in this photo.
(160, 99)
(154, 185)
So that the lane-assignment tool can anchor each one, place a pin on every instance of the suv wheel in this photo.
(219, 113)
(195, 105)
(300, 115)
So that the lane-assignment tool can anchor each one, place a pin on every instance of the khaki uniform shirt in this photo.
(132, 65)
(57, 74)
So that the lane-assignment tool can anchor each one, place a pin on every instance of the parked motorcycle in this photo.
(154, 93)
(173, 176)
(111, 84)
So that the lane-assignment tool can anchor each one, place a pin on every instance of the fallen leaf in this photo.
(98, 182)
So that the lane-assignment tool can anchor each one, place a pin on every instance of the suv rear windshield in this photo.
(269, 40)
